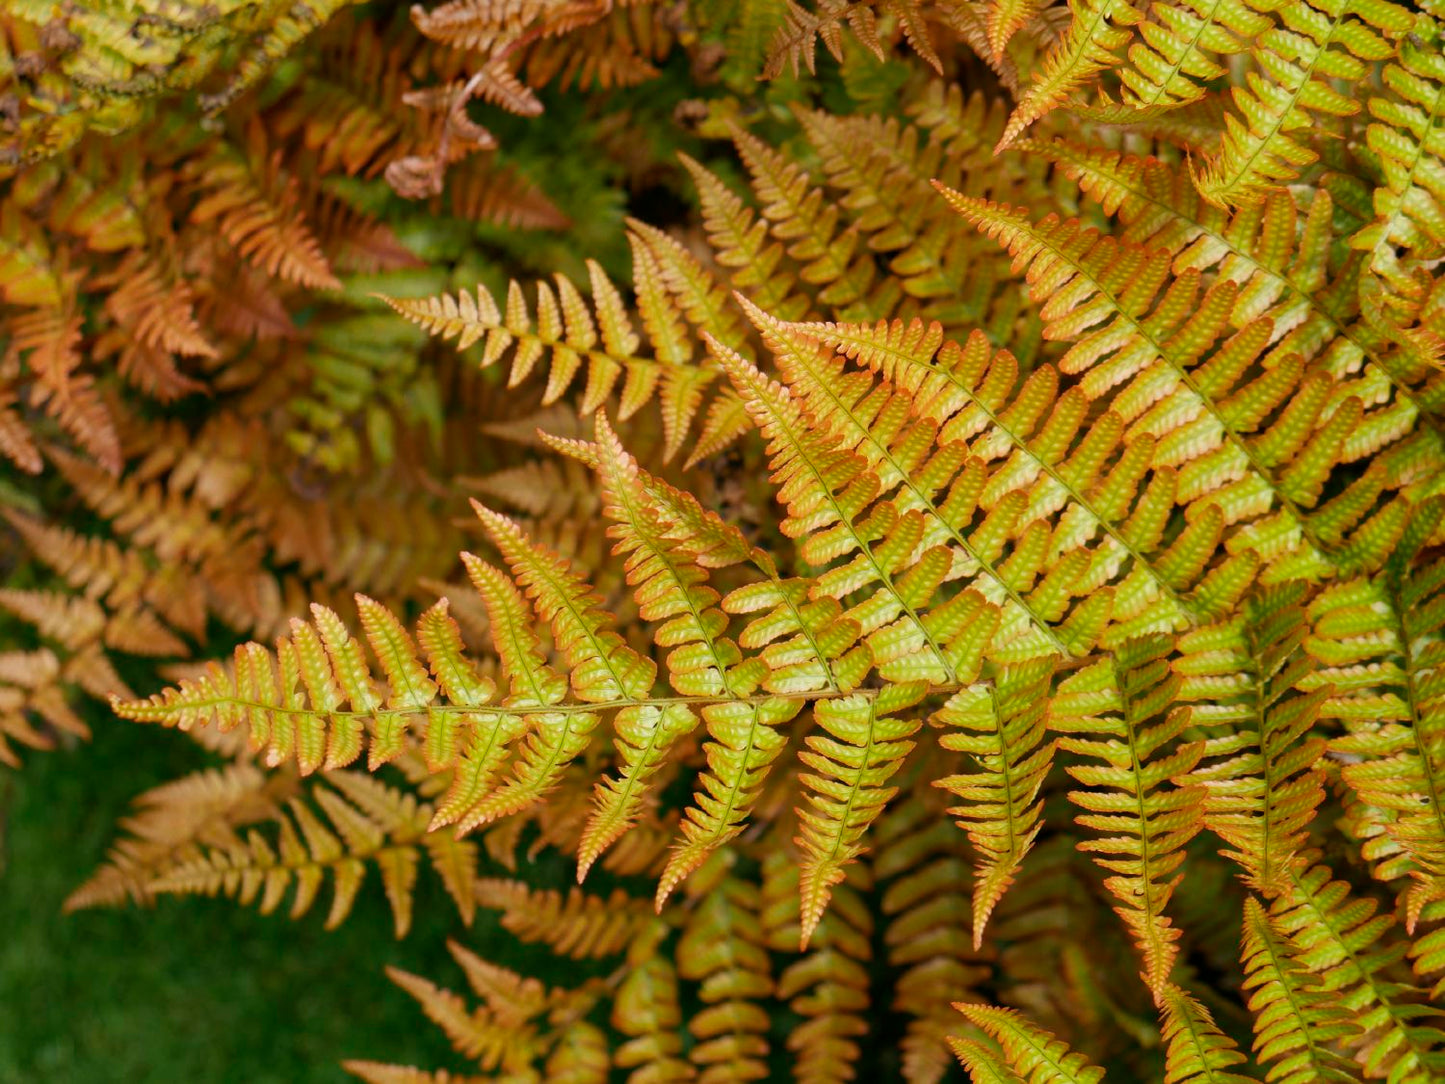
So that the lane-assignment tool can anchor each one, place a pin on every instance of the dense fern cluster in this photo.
(967, 601)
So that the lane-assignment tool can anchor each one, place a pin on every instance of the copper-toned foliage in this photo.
(969, 599)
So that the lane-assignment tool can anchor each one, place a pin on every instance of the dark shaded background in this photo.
(194, 989)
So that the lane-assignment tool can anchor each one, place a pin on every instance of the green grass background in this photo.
(194, 990)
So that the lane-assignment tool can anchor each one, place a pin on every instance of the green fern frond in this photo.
(1298, 1020)
(1048, 455)
(867, 421)
(1031, 1053)
(1003, 730)
(1316, 44)
(1263, 779)
(1341, 939)
(1379, 643)
(1408, 136)
(745, 743)
(1284, 270)
(1120, 712)
(1198, 1052)
(861, 748)
(1256, 452)
(1176, 59)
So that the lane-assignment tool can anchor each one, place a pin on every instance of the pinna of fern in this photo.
(253, 841)
(1376, 640)
(565, 335)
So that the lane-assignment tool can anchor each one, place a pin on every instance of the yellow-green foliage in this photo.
(978, 589)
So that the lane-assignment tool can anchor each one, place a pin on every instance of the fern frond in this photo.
(827, 985)
(578, 926)
(1263, 780)
(1198, 1052)
(795, 42)
(256, 207)
(508, 1032)
(1283, 269)
(985, 1064)
(362, 822)
(480, 25)
(70, 621)
(861, 749)
(618, 46)
(49, 341)
(602, 666)
(801, 218)
(1181, 42)
(1091, 44)
(880, 171)
(1120, 712)
(866, 422)
(1317, 43)
(157, 310)
(920, 859)
(660, 260)
(17, 444)
(1408, 136)
(319, 701)
(739, 240)
(1103, 292)
(1051, 459)
(1005, 18)
(1297, 1020)
(646, 1012)
(722, 948)
(744, 744)
(1340, 938)
(32, 699)
(830, 489)
(1032, 1053)
(267, 696)
(204, 807)
(568, 332)
(1379, 641)
(702, 662)
(1003, 730)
